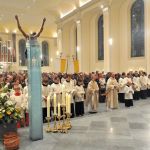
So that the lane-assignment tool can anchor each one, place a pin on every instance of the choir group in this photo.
(86, 90)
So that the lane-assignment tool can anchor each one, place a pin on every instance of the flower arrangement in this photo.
(8, 112)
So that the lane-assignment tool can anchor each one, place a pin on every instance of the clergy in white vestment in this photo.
(69, 88)
(137, 86)
(148, 86)
(79, 98)
(18, 98)
(143, 82)
(112, 88)
(92, 97)
(129, 94)
(122, 83)
(45, 92)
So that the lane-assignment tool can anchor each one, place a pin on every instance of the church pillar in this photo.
(59, 40)
(79, 45)
(147, 34)
(107, 46)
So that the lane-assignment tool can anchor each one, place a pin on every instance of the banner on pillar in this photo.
(63, 65)
(76, 66)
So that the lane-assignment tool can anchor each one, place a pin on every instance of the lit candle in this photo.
(63, 98)
(66, 102)
(59, 109)
(48, 106)
(69, 100)
(54, 104)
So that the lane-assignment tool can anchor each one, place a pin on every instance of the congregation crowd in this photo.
(86, 90)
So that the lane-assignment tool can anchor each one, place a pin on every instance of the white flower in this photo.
(9, 103)
(3, 94)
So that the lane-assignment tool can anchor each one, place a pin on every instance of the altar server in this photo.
(45, 92)
(122, 83)
(92, 95)
(143, 82)
(18, 99)
(102, 86)
(129, 95)
(69, 88)
(148, 84)
(137, 86)
(112, 88)
(79, 98)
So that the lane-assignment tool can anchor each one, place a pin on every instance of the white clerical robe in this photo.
(143, 81)
(112, 93)
(56, 89)
(92, 95)
(129, 92)
(79, 93)
(137, 84)
(45, 93)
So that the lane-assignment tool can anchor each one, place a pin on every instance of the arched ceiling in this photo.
(31, 12)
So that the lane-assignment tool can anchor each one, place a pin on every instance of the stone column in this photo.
(79, 44)
(34, 91)
(59, 40)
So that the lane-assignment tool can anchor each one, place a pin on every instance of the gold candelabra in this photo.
(60, 126)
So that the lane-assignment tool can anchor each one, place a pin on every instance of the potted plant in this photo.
(9, 114)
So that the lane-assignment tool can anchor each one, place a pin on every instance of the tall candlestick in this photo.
(55, 104)
(59, 110)
(48, 106)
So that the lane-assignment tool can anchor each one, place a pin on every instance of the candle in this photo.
(66, 102)
(63, 98)
(69, 100)
(48, 106)
(59, 109)
(54, 104)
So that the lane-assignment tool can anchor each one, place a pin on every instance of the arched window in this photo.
(137, 29)
(22, 51)
(45, 53)
(100, 38)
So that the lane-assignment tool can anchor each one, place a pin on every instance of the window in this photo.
(5, 51)
(22, 52)
(137, 29)
(45, 53)
(100, 38)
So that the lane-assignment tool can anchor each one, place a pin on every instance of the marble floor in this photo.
(122, 129)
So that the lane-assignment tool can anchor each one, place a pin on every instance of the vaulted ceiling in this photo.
(31, 13)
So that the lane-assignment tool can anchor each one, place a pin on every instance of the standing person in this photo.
(92, 95)
(143, 82)
(18, 99)
(129, 95)
(102, 86)
(69, 88)
(112, 92)
(45, 92)
(79, 98)
(148, 84)
(137, 86)
(122, 84)
(56, 88)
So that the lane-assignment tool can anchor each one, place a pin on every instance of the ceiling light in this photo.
(85, 2)
(105, 9)
(15, 31)
(55, 35)
(6, 30)
(67, 13)
(102, 6)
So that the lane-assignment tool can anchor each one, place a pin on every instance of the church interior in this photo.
(78, 80)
